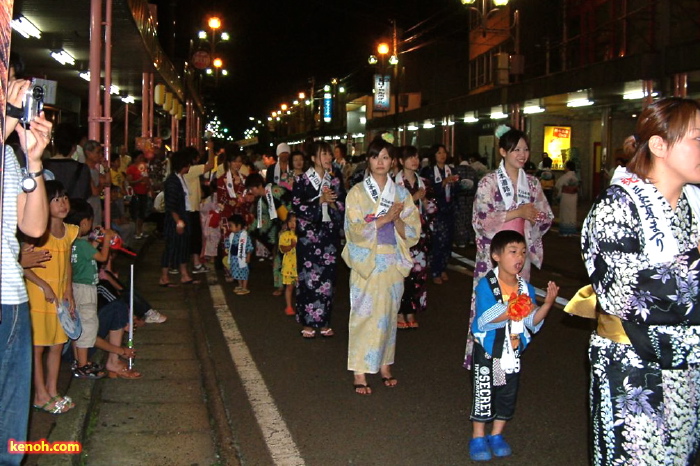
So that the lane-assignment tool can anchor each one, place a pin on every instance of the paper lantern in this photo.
(159, 94)
(168, 103)
(174, 107)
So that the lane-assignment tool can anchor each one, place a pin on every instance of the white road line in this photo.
(279, 440)
(541, 293)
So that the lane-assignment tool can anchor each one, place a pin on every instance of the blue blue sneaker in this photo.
(499, 446)
(479, 449)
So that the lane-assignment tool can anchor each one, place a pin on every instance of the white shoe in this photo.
(154, 317)
(201, 269)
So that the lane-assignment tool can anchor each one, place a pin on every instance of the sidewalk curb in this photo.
(221, 427)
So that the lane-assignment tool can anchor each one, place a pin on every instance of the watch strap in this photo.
(13, 112)
(36, 174)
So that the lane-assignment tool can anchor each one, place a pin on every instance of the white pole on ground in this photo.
(130, 344)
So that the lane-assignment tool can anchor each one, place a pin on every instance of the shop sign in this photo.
(382, 93)
(327, 107)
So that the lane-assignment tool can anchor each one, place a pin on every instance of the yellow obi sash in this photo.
(583, 304)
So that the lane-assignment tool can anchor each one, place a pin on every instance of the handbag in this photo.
(71, 325)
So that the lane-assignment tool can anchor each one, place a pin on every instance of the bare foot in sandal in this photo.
(360, 385)
(387, 379)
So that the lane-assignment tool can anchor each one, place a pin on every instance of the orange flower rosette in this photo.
(519, 306)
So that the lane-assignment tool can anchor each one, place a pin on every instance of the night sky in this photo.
(278, 45)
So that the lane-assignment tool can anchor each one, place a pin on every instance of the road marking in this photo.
(275, 432)
(539, 292)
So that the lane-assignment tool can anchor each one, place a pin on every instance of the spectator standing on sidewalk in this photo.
(138, 179)
(50, 286)
(100, 176)
(27, 211)
(176, 225)
(194, 193)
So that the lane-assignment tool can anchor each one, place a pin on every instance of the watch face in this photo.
(28, 184)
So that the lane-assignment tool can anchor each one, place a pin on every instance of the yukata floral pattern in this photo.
(415, 292)
(641, 411)
(377, 273)
(234, 205)
(488, 219)
(442, 224)
(317, 251)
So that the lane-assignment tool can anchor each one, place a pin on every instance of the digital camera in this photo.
(33, 102)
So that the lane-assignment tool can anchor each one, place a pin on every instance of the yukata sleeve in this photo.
(487, 309)
(412, 227)
(305, 201)
(489, 211)
(361, 235)
(544, 220)
(626, 284)
(338, 213)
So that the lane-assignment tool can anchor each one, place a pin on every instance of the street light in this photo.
(482, 13)
(214, 22)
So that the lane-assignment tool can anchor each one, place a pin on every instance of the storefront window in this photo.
(557, 142)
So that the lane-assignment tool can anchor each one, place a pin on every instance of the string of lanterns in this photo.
(170, 104)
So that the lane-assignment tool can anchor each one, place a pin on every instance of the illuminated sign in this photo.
(382, 93)
(327, 107)
(557, 142)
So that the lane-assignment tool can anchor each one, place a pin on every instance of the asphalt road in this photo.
(303, 410)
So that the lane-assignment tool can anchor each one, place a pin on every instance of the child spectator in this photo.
(84, 258)
(506, 312)
(49, 285)
(238, 247)
(288, 245)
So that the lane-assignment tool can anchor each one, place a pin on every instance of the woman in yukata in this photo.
(415, 293)
(442, 180)
(230, 189)
(230, 195)
(640, 247)
(318, 202)
(508, 199)
(381, 225)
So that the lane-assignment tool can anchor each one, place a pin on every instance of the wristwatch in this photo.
(28, 181)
